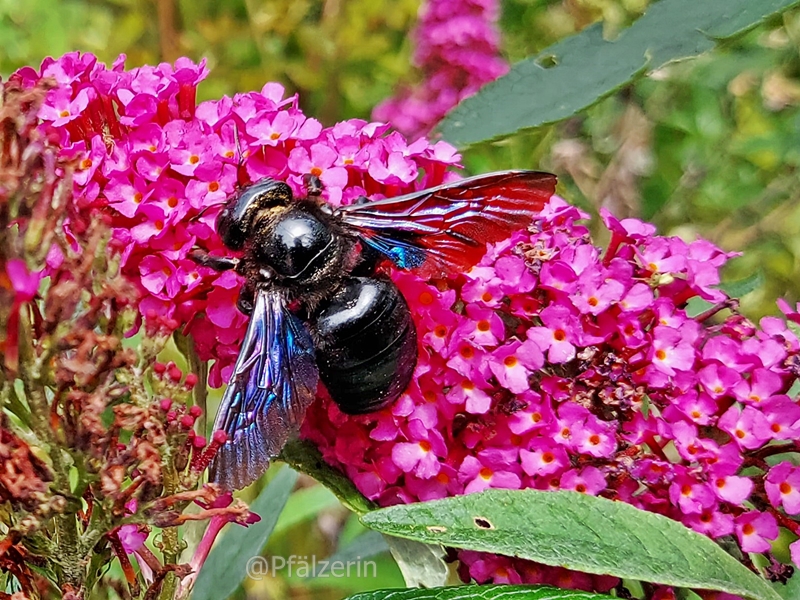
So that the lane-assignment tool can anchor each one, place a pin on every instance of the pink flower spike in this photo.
(555, 337)
(783, 487)
(131, 537)
(512, 363)
(794, 549)
(755, 530)
(25, 283)
(748, 428)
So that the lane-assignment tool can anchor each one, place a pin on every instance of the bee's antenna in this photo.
(240, 166)
(236, 140)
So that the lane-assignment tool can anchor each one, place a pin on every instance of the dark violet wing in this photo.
(446, 228)
(273, 382)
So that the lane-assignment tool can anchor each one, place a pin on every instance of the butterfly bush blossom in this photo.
(457, 53)
(556, 365)
(161, 168)
(101, 455)
(552, 364)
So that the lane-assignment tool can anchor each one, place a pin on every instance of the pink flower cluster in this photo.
(457, 53)
(555, 365)
(161, 168)
(550, 365)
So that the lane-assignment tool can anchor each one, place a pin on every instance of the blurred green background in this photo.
(708, 147)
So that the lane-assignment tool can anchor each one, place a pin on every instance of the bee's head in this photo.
(297, 245)
(235, 222)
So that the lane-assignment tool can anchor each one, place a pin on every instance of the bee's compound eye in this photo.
(297, 246)
(236, 219)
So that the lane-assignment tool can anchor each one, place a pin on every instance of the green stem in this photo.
(170, 543)
(68, 553)
(185, 344)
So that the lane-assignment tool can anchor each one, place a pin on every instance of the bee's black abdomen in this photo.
(368, 345)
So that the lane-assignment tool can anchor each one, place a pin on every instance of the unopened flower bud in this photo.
(190, 381)
(174, 373)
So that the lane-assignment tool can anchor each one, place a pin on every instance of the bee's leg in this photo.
(218, 263)
(247, 297)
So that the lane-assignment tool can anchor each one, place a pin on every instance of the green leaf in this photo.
(226, 567)
(789, 590)
(734, 289)
(742, 287)
(365, 546)
(422, 565)
(575, 531)
(306, 458)
(483, 592)
(587, 68)
(305, 504)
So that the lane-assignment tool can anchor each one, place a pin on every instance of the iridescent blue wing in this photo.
(273, 382)
(445, 229)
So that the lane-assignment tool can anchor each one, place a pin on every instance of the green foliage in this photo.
(422, 565)
(342, 57)
(226, 567)
(481, 592)
(704, 148)
(580, 70)
(575, 531)
(305, 457)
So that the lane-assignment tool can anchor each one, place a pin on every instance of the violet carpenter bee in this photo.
(318, 308)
